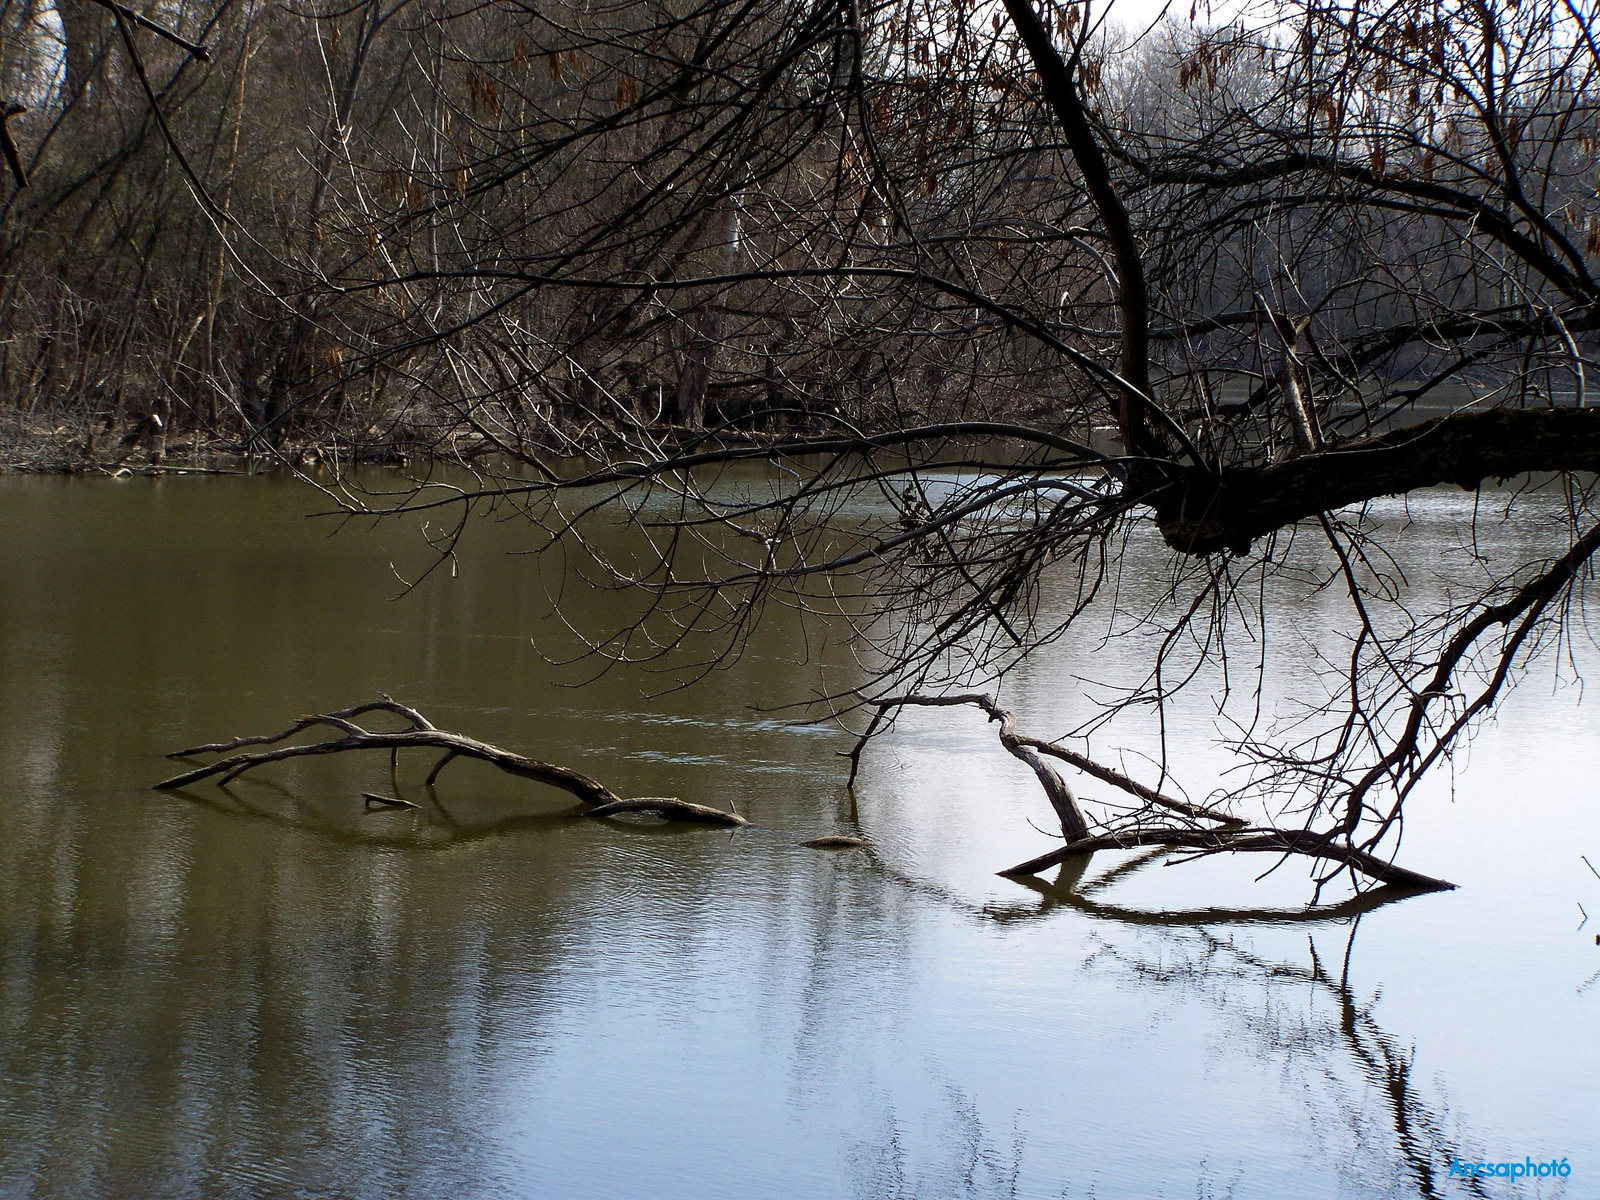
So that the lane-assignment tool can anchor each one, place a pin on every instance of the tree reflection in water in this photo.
(1302, 1014)
(1199, 951)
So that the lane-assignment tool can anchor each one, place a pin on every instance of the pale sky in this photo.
(1136, 15)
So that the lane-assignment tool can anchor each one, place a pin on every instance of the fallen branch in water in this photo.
(671, 808)
(421, 733)
(1228, 835)
(373, 800)
(1240, 839)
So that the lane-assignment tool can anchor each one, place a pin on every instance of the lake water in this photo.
(270, 992)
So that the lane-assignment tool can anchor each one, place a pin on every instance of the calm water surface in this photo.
(269, 992)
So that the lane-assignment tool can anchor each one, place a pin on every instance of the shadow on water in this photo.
(424, 824)
(1417, 1129)
(1071, 890)
(427, 821)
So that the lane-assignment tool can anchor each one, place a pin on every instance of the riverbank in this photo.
(82, 446)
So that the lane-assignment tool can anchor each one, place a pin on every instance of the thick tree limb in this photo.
(1058, 78)
(1204, 514)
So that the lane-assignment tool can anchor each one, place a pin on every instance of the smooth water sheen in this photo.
(269, 992)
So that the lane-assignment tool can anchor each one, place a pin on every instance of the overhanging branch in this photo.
(1199, 514)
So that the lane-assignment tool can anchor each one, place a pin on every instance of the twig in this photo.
(194, 48)
(374, 800)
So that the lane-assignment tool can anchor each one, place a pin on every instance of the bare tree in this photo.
(1289, 266)
(1047, 289)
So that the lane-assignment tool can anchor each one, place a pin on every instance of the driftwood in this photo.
(1225, 834)
(835, 842)
(422, 734)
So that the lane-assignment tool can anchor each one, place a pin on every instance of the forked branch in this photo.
(422, 734)
(1028, 749)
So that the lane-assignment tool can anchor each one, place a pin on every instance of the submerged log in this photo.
(835, 842)
(671, 808)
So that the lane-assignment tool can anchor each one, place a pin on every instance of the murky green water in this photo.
(276, 994)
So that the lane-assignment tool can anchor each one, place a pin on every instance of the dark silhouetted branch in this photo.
(1073, 823)
(9, 145)
(143, 22)
(1238, 841)
(1205, 515)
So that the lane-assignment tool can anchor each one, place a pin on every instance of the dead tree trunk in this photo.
(705, 337)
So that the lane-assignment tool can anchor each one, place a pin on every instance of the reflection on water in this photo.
(271, 991)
